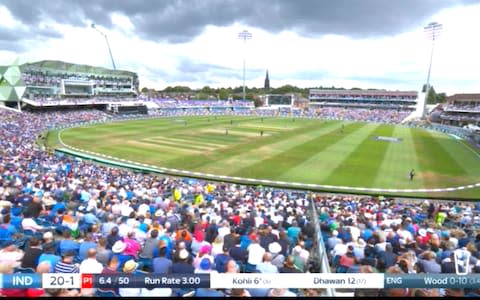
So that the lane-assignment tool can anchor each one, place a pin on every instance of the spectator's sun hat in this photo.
(130, 266)
(274, 248)
(119, 247)
(422, 232)
(183, 254)
(48, 235)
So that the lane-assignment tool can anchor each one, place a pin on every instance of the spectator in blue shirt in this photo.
(86, 245)
(49, 256)
(293, 232)
(68, 244)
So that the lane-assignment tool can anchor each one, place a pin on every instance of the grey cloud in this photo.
(181, 21)
(189, 71)
(12, 39)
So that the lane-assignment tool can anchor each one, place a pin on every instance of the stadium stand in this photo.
(461, 110)
(363, 105)
(145, 223)
(55, 83)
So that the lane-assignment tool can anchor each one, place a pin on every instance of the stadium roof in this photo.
(464, 97)
(355, 92)
(56, 65)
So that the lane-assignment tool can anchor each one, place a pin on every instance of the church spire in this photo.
(267, 82)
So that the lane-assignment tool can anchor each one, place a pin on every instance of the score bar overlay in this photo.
(251, 280)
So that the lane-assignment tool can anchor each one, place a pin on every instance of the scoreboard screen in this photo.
(280, 100)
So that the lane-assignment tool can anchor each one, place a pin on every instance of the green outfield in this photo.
(294, 150)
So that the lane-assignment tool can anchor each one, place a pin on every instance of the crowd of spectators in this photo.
(178, 103)
(62, 214)
(56, 101)
(66, 215)
(460, 116)
(363, 114)
(365, 235)
(463, 107)
(42, 78)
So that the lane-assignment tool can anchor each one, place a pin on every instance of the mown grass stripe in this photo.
(275, 166)
(319, 167)
(437, 164)
(398, 161)
(233, 150)
(355, 165)
(181, 142)
(169, 145)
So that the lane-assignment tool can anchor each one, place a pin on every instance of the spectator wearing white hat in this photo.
(129, 269)
(277, 258)
(182, 266)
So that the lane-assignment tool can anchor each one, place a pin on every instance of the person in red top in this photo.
(236, 219)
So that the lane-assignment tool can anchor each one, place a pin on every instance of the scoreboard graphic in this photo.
(256, 280)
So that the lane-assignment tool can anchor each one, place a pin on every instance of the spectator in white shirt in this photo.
(90, 266)
(255, 251)
(29, 224)
(224, 229)
(143, 208)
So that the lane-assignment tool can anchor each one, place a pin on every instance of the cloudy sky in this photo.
(347, 43)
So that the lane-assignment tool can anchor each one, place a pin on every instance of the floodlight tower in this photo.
(108, 45)
(245, 35)
(432, 31)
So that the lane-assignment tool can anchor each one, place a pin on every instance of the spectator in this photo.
(10, 254)
(49, 256)
(103, 254)
(221, 260)
(132, 245)
(205, 266)
(289, 266)
(266, 266)
(255, 254)
(183, 267)
(68, 244)
(86, 245)
(428, 263)
(90, 265)
(129, 269)
(32, 254)
(111, 268)
(161, 264)
(66, 265)
(277, 258)
(113, 237)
